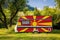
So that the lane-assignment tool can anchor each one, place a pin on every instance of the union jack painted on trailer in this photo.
(34, 23)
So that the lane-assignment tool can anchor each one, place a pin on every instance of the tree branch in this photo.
(13, 17)
(2, 11)
(5, 22)
(14, 14)
(1, 20)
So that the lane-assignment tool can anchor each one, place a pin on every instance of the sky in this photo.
(39, 4)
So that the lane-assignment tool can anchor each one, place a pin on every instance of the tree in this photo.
(18, 5)
(58, 11)
(14, 6)
(25, 10)
(54, 12)
(57, 3)
(1, 12)
(36, 12)
(46, 11)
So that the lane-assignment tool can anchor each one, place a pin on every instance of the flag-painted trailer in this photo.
(34, 23)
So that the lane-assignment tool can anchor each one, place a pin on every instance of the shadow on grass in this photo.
(55, 31)
(29, 38)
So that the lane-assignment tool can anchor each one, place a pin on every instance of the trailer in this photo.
(34, 24)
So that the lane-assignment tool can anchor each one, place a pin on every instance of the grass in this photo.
(30, 36)
(9, 34)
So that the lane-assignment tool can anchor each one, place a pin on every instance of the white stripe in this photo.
(34, 26)
(16, 28)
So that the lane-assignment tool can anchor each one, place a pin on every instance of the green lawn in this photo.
(9, 34)
(30, 36)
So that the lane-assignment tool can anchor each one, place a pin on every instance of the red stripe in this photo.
(49, 17)
(29, 17)
(43, 25)
(50, 29)
(40, 30)
(46, 28)
(19, 29)
(20, 19)
(29, 30)
(43, 21)
(39, 17)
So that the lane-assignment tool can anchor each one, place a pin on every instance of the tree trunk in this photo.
(13, 17)
(4, 21)
(10, 22)
(1, 20)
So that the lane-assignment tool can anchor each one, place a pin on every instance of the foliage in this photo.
(9, 9)
(36, 12)
(57, 3)
(8, 14)
(54, 12)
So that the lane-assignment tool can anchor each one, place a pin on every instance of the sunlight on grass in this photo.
(6, 31)
(3, 31)
(9, 34)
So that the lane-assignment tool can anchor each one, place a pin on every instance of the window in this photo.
(25, 22)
